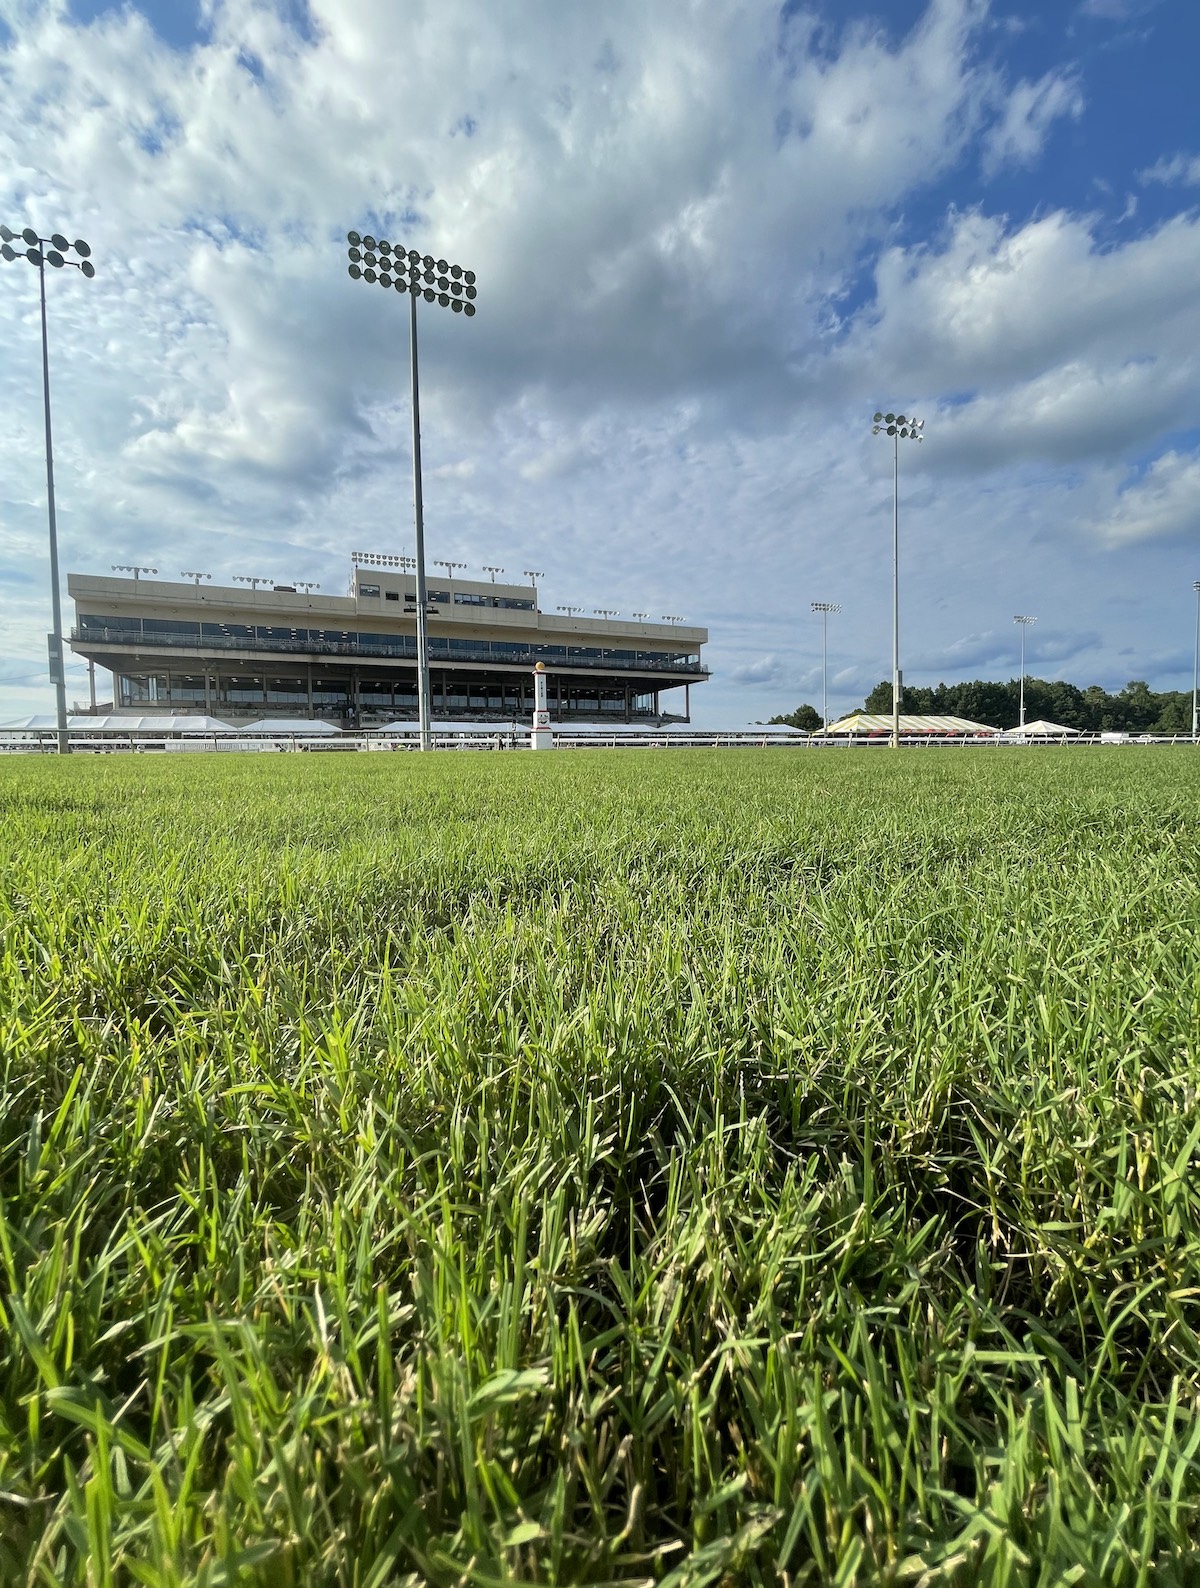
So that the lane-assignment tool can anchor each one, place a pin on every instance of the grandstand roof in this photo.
(865, 722)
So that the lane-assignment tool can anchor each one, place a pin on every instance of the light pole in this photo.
(533, 575)
(251, 579)
(570, 611)
(1196, 662)
(38, 250)
(825, 608)
(135, 569)
(454, 288)
(449, 566)
(189, 573)
(900, 428)
(1024, 623)
(490, 567)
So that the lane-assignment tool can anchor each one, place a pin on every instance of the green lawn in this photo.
(705, 1167)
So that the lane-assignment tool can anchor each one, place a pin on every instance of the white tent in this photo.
(1043, 730)
(288, 728)
(90, 727)
(872, 724)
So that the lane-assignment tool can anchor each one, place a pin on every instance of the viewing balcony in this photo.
(381, 647)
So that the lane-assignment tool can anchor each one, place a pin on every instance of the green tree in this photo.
(806, 717)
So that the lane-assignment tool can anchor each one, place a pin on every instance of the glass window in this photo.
(514, 604)
(368, 589)
(170, 626)
(466, 598)
(246, 689)
(187, 686)
(287, 691)
(392, 595)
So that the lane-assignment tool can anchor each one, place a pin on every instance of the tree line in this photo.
(1135, 709)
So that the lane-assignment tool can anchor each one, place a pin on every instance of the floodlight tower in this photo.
(442, 562)
(491, 568)
(1024, 623)
(825, 608)
(901, 428)
(533, 575)
(570, 611)
(134, 568)
(1196, 662)
(251, 579)
(189, 573)
(38, 250)
(454, 288)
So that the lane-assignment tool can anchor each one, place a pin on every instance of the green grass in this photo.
(740, 1167)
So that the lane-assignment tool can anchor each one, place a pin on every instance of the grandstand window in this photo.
(466, 598)
(170, 626)
(287, 691)
(368, 589)
(391, 595)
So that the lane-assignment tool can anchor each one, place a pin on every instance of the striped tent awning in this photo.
(866, 722)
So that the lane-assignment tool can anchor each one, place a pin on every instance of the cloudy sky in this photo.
(711, 237)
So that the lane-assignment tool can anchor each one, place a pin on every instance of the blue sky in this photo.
(711, 239)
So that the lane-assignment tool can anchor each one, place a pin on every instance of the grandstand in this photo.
(283, 651)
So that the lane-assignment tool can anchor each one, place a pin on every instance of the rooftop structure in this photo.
(284, 650)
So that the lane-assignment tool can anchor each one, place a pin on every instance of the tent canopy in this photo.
(288, 727)
(868, 723)
(1043, 730)
(115, 723)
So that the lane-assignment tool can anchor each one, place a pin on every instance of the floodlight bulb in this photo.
(81, 248)
(7, 251)
(368, 241)
(384, 279)
(88, 268)
(443, 299)
(369, 275)
(891, 430)
(878, 417)
(889, 419)
(430, 294)
(355, 272)
(469, 308)
(901, 420)
(456, 305)
(30, 236)
(469, 277)
(353, 239)
(6, 234)
(55, 258)
(456, 271)
(60, 242)
(384, 246)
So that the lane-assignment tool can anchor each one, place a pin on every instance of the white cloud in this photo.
(1163, 503)
(1031, 110)
(1177, 170)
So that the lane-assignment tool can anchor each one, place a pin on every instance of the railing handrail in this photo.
(530, 654)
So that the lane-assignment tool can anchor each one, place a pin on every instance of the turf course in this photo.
(739, 1167)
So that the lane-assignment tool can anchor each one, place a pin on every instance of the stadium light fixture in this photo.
(669, 617)
(252, 580)
(570, 611)
(442, 562)
(39, 251)
(825, 608)
(642, 616)
(901, 427)
(307, 585)
(188, 573)
(1196, 663)
(1024, 623)
(492, 569)
(129, 567)
(606, 612)
(421, 276)
(533, 575)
